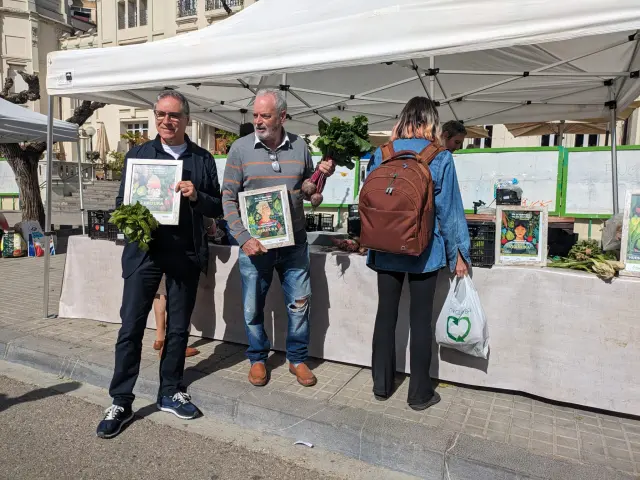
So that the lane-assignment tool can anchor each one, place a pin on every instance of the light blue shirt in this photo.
(451, 233)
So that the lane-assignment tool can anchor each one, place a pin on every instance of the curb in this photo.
(396, 444)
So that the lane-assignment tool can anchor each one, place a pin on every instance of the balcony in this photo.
(214, 8)
(187, 8)
(217, 4)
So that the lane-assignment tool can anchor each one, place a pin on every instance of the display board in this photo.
(538, 171)
(339, 190)
(8, 185)
(588, 184)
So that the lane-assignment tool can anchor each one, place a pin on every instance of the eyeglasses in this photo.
(274, 162)
(173, 116)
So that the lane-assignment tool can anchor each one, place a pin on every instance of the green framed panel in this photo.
(506, 150)
(565, 176)
(560, 170)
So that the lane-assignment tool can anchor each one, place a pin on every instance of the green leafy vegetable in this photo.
(344, 142)
(587, 256)
(136, 222)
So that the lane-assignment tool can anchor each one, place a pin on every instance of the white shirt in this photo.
(175, 150)
(285, 140)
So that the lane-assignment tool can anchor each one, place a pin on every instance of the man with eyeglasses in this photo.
(180, 253)
(272, 157)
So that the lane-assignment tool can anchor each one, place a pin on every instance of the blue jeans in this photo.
(292, 265)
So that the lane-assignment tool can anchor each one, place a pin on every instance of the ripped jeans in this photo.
(292, 265)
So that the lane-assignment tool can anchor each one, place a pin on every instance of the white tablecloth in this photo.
(560, 335)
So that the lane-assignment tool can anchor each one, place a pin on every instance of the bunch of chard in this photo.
(342, 142)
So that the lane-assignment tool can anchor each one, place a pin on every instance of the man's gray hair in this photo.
(178, 96)
(278, 96)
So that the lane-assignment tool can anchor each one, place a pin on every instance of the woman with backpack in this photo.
(412, 204)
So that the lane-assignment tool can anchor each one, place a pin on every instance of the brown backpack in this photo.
(397, 203)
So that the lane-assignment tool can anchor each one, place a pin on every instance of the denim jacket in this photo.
(450, 235)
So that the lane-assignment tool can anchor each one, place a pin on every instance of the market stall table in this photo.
(561, 335)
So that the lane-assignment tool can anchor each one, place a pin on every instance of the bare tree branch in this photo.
(31, 94)
(226, 7)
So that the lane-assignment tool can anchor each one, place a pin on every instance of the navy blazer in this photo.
(198, 166)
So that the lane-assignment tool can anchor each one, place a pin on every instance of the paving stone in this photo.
(567, 442)
(571, 453)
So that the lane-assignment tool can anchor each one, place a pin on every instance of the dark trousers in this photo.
(137, 300)
(422, 288)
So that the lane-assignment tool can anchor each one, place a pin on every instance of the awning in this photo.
(485, 62)
(19, 124)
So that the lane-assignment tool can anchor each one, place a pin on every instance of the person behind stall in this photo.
(453, 135)
(633, 247)
(520, 245)
(246, 129)
(417, 127)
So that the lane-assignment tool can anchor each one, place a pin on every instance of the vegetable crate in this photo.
(99, 226)
(326, 222)
(312, 222)
(483, 244)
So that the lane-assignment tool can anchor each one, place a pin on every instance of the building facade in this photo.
(129, 22)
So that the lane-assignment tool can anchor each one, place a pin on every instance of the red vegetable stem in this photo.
(321, 181)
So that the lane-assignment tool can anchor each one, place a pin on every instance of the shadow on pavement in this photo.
(38, 394)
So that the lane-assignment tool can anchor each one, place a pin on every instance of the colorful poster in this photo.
(522, 235)
(630, 251)
(152, 183)
(265, 214)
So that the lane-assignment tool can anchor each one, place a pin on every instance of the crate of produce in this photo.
(99, 225)
(312, 222)
(483, 244)
(326, 222)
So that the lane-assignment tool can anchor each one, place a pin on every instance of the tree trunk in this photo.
(26, 172)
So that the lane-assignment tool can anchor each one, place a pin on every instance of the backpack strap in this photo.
(387, 151)
(430, 152)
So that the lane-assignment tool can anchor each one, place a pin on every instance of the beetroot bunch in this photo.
(342, 142)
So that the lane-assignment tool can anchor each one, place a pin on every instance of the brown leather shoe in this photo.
(303, 374)
(191, 352)
(258, 375)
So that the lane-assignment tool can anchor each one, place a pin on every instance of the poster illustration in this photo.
(521, 234)
(630, 245)
(152, 183)
(266, 215)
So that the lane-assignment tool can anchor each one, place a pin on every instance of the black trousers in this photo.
(137, 300)
(422, 289)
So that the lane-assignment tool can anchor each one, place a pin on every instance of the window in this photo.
(594, 139)
(187, 8)
(579, 140)
(122, 23)
(142, 128)
(80, 12)
(132, 14)
(545, 140)
(143, 13)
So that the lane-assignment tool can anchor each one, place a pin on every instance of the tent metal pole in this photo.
(432, 79)
(80, 182)
(47, 221)
(307, 104)
(614, 160)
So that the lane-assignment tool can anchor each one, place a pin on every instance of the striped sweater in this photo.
(250, 168)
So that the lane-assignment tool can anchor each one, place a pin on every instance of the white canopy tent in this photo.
(484, 62)
(19, 124)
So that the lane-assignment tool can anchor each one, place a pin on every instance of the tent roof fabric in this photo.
(19, 124)
(491, 61)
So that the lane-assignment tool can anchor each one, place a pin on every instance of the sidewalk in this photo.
(471, 434)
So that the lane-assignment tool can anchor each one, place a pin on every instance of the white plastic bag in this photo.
(462, 324)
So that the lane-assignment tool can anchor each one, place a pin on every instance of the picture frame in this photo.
(266, 214)
(521, 236)
(152, 183)
(630, 241)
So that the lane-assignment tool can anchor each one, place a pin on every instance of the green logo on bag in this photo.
(456, 329)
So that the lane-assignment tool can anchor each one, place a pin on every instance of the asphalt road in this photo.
(48, 434)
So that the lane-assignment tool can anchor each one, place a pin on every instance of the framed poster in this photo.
(152, 183)
(266, 215)
(630, 242)
(521, 235)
